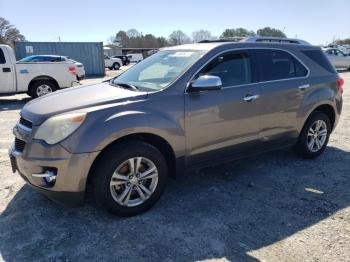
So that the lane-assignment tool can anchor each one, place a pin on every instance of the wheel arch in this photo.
(42, 78)
(325, 108)
(155, 140)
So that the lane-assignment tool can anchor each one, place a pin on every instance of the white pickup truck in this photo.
(113, 63)
(35, 79)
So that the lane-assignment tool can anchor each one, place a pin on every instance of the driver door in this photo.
(223, 124)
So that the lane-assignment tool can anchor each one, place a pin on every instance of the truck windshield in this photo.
(159, 70)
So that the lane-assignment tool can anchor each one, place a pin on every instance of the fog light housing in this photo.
(49, 176)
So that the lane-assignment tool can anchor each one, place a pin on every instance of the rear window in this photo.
(319, 57)
(2, 57)
(278, 65)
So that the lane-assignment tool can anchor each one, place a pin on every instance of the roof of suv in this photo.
(207, 45)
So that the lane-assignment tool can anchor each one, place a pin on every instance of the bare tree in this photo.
(179, 38)
(200, 35)
(9, 33)
(133, 33)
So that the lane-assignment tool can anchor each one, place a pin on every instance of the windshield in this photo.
(159, 70)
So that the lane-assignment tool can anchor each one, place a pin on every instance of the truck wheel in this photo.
(42, 87)
(129, 178)
(116, 66)
(314, 137)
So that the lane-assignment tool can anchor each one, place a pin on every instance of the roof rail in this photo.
(226, 39)
(256, 39)
(268, 39)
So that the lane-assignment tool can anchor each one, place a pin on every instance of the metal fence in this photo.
(88, 53)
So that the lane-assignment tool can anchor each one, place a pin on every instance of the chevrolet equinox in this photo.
(184, 107)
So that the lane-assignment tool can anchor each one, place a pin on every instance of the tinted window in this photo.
(233, 68)
(42, 59)
(318, 57)
(2, 57)
(277, 64)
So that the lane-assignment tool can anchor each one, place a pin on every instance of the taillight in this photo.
(73, 70)
(340, 83)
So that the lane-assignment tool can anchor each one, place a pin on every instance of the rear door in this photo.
(283, 85)
(220, 124)
(7, 74)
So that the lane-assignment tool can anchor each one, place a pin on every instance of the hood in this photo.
(70, 99)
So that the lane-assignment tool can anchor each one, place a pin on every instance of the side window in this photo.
(2, 57)
(233, 68)
(278, 65)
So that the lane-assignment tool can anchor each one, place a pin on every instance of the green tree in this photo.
(9, 33)
(237, 32)
(268, 31)
(132, 38)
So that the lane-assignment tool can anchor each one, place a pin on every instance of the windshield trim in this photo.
(202, 52)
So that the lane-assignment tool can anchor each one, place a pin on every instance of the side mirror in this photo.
(206, 83)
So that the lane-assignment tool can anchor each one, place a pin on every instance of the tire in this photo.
(116, 66)
(304, 144)
(117, 159)
(41, 87)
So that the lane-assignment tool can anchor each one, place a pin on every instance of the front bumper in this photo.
(37, 157)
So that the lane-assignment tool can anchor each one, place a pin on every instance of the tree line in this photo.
(133, 38)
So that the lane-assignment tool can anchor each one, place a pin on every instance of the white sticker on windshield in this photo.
(182, 54)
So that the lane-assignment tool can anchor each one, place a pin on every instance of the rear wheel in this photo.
(130, 178)
(41, 88)
(314, 136)
(116, 66)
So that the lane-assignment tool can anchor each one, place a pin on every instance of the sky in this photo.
(316, 21)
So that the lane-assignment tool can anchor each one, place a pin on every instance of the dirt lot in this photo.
(274, 207)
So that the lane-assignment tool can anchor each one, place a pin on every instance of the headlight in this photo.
(57, 128)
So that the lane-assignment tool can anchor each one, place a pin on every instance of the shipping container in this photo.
(88, 53)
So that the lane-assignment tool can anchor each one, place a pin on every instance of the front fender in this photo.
(101, 130)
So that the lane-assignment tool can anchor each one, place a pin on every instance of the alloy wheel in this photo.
(134, 181)
(317, 135)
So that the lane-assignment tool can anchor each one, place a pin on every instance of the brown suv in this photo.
(184, 107)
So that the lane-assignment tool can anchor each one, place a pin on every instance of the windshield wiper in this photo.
(125, 85)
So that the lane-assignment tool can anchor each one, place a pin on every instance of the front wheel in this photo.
(314, 136)
(129, 178)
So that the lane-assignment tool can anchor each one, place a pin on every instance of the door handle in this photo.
(303, 87)
(249, 98)
(6, 69)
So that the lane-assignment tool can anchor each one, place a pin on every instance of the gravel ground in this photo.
(273, 207)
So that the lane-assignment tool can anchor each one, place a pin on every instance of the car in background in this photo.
(56, 58)
(338, 58)
(113, 63)
(135, 58)
(80, 68)
(36, 78)
(124, 59)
